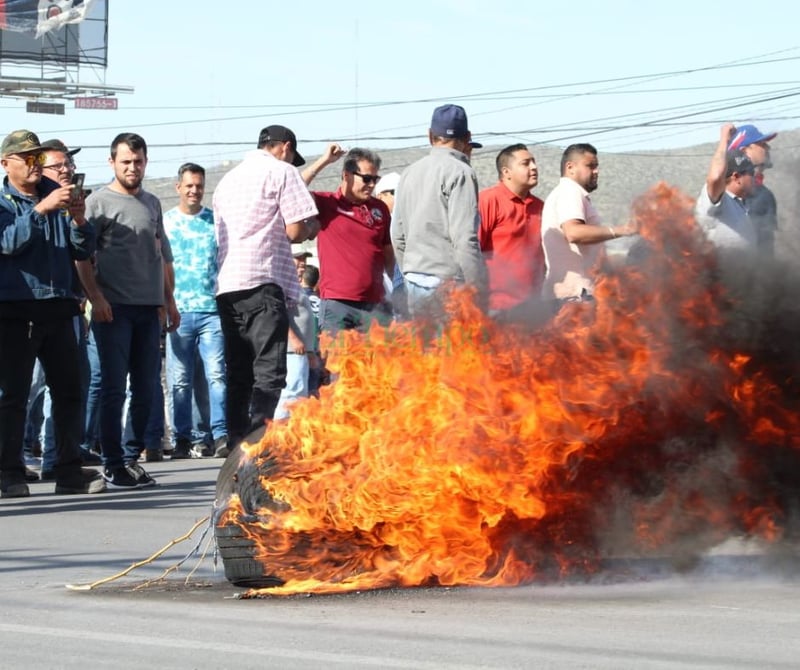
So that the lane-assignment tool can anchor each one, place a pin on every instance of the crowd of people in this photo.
(90, 283)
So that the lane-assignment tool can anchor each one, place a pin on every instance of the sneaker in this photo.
(183, 449)
(48, 475)
(119, 478)
(202, 450)
(138, 473)
(15, 490)
(85, 481)
(90, 458)
(31, 475)
(153, 455)
(221, 449)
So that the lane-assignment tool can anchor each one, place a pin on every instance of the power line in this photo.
(478, 98)
(498, 133)
(317, 108)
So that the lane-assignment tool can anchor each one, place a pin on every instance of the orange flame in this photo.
(494, 456)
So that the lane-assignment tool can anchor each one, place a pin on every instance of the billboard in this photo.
(64, 32)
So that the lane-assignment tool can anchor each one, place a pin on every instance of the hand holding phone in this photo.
(77, 206)
(77, 185)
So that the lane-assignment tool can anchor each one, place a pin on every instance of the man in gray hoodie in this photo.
(435, 222)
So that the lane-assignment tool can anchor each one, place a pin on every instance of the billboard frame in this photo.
(47, 77)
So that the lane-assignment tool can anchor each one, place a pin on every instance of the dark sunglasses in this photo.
(368, 178)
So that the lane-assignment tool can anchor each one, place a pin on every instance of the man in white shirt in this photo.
(572, 232)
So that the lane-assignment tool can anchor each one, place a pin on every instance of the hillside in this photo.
(622, 178)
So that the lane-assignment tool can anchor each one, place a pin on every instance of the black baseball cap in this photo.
(58, 145)
(737, 162)
(281, 134)
(450, 121)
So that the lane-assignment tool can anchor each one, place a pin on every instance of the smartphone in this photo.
(77, 184)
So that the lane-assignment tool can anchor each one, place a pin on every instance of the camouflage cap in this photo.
(20, 142)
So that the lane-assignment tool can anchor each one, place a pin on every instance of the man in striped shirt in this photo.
(260, 207)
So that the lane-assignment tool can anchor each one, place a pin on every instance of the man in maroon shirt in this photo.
(510, 235)
(353, 243)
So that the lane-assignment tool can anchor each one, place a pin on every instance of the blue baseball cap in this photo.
(449, 121)
(747, 135)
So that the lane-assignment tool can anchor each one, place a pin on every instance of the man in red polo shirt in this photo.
(510, 235)
(353, 243)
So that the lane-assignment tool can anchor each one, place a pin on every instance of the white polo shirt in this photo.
(569, 266)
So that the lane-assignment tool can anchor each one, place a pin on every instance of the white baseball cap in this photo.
(300, 250)
(387, 183)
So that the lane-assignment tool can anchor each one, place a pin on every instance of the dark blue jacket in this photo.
(36, 250)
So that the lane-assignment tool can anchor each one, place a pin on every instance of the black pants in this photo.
(54, 343)
(255, 326)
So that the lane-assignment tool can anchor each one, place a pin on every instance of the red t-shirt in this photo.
(511, 241)
(350, 246)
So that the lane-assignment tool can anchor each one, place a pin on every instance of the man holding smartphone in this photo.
(43, 229)
(59, 166)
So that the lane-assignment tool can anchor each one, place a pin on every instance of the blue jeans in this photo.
(156, 424)
(127, 345)
(91, 433)
(200, 334)
(418, 297)
(336, 315)
(154, 433)
(201, 412)
(296, 384)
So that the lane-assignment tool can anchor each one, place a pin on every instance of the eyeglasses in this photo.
(29, 159)
(368, 178)
(64, 166)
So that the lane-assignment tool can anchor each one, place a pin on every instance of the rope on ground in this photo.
(211, 541)
(150, 559)
(174, 567)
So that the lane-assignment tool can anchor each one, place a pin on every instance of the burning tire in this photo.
(241, 568)
(237, 550)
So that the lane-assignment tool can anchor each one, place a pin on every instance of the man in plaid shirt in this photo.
(260, 207)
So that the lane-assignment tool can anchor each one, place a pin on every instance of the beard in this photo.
(131, 182)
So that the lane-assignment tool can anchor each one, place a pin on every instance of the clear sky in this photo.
(371, 73)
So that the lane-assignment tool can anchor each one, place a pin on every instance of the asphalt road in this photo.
(739, 609)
